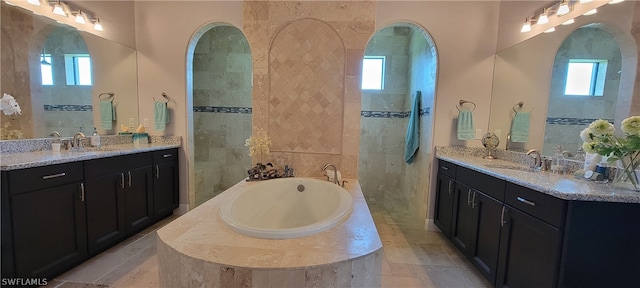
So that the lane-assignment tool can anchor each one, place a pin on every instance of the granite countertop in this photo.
(560, 186)
(13, 161)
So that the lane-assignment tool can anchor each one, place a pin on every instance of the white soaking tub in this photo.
(286, 208)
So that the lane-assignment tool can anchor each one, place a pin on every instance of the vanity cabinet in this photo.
(43, 220)
(445, 192)
(119, 197)
(519, 237)
(165, 182)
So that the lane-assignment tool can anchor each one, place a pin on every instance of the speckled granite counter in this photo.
(13, 161)
(561, 186)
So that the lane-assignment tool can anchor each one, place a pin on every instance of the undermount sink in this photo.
(94, 149)
(510, 167)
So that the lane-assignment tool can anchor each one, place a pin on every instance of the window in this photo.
(586, 77)
(45, 69)
(78, 69)
(373, 73)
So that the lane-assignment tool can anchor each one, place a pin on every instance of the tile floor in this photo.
(413, 257)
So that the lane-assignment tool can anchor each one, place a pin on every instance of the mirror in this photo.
(56, 73)
(525, 73)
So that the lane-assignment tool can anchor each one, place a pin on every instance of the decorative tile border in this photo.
(68, 108)
(392, 114)
(572, 121)
(214, 109)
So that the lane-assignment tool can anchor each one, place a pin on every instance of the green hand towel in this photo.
(465, 125)
(107, 114)
(520, 127)
(412, 141)
(161, 115)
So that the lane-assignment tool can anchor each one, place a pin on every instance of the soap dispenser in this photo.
(95, 138)
(557, 162)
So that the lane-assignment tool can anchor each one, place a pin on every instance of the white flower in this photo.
(9, 105)
(589, 147)
(587, 136)
(631, 125)
(601, 127)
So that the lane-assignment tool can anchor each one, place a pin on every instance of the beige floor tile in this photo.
(401, 282)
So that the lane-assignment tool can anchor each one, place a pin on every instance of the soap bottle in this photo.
(557, 162)
(95, 138)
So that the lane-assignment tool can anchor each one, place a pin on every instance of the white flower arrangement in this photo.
(9, 105)
(258, 144)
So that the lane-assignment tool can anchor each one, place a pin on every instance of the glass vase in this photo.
(626, 176)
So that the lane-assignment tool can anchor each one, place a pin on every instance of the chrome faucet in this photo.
(54, 134)
(537, 159)
(335, 173)
(77, 140)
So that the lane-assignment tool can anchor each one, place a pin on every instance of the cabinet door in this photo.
(443, 216)
(138, 199)
(105, 210)
(529, 251)
(486, 242)
(165, 189)
(463, 219)
(49, 230)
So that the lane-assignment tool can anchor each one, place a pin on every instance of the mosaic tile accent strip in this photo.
(68, 107)
(392, 114)
(572, 121)
(307, 83)
(214, 109)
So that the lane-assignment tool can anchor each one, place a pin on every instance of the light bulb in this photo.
(80, 18)
(564, 8)
(591, 12)
(34, 2)
(568, 22)
(58, 10)
(616, 1)
(526, 27)
(543, 19)
(585, 1)
(97, 25)
(550, 30)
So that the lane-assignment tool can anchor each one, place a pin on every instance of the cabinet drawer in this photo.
(484, 183)
(105, 166)
(37, 178)
(447, 168)
(162, 156)
(537, 204)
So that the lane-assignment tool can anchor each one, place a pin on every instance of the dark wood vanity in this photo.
(519, 237)
(57, 216)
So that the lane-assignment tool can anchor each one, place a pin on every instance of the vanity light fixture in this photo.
(97, 25)
(526, 27)
(543, 19)
(552, 29)
(58, 9)
(34, 2)
(591, 12)
(80, 18)
(564, 8)
(616, 1)
(569, 22)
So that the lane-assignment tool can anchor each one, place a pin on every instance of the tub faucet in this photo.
(335, 173)
(537, 159)
(77, 139)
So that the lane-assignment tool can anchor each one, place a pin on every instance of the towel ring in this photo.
(519, 105)
(165, 96)
(465, 101)
(109, 95)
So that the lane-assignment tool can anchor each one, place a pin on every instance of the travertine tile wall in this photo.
(222, 110)
(584, 43)
(346, 26)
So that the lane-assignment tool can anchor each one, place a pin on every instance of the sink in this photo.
(511, 167)
(94, 149)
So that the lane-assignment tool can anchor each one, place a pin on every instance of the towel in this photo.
(520, 127)
(465, 125)
(161, 114)
(107, 114)
(412, 140)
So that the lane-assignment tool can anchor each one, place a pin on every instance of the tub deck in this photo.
(198, 248)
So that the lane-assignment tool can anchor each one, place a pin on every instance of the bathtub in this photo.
(286, 208)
